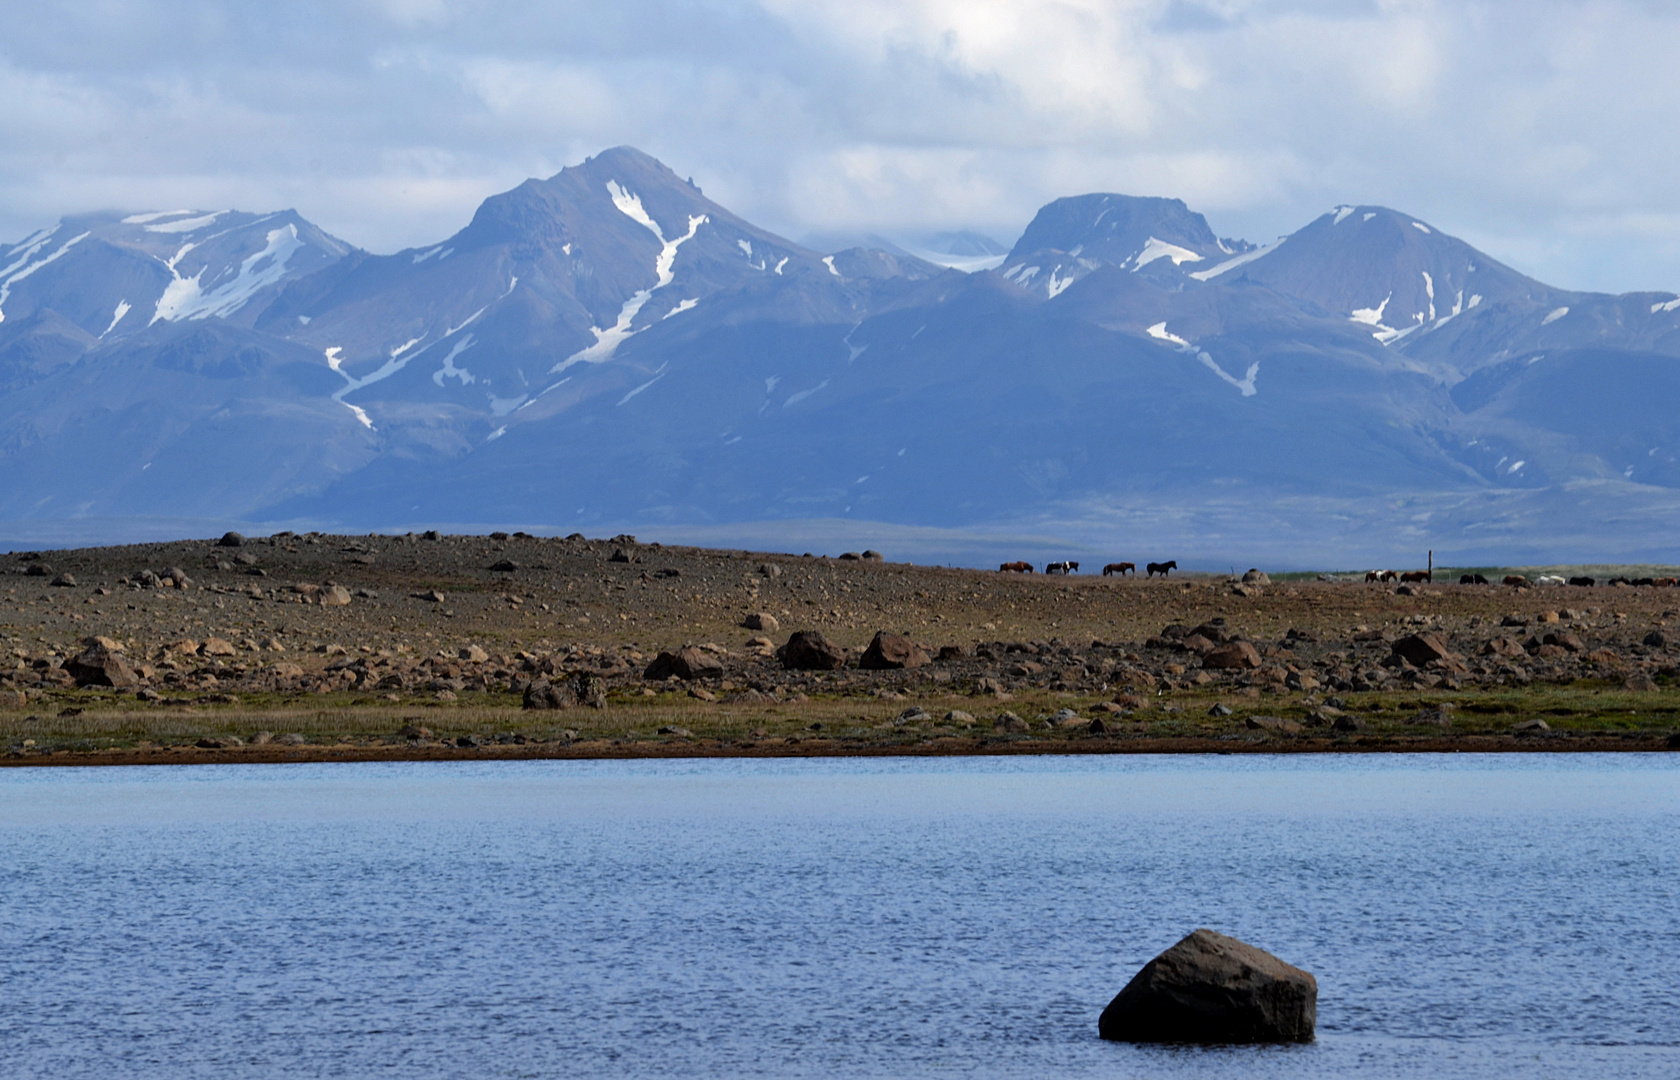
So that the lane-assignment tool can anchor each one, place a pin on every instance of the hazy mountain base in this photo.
(1601, 522)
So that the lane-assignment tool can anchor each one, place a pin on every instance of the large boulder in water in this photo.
(1210, 988)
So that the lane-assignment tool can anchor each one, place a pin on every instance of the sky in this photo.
(1542, 131)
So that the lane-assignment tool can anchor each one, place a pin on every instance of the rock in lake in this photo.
(808, 650)
(1210, 988)
(891, 651)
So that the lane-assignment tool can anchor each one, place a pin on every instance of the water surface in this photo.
(1466, 915)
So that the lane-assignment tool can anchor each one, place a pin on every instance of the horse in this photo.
(1061, 568)
(1161, 567)
(1016, 568)
(1415, 575)
(1583, 581)
(1472, 579)
(1516, 581)
(1121, 568)
(1390, 575)
(1373, 575)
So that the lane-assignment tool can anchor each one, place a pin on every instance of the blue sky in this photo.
(1542, 132)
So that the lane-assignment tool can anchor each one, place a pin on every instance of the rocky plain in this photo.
(324, 647)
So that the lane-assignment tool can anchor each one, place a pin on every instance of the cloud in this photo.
(1538, 132)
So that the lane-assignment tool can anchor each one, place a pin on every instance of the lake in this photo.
(1465, 915)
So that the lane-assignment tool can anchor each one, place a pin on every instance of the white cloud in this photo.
(1539, 132)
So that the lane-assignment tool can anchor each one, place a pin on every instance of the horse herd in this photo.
(1070, 567)
(1519, 581)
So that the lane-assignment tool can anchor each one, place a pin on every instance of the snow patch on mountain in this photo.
(1231, 264)
(187, 225)
(449, 370)
(608, 340)
(1670, 305)
(1342, 213)
(1160, 333)
(1554, 315)
(183, 298)
(1244, 385)
(1159, 249)
(828, 261)
(8, 278)
(155, 215)
(123, 308)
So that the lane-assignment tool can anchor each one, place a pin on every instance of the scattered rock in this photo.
(1271, 723)
(687, 663)
(1236, 655)
(1256, 577)
(64, 581)
(986, 687)
(217, 647)
(333, 596)
(1348, 722)
(222, 742)
(808, 650)
(1420, 649)
(892, 651)
(915, 714)
(1523, 727)
(1639, 682)
(97, 666)
(414, 732)
(290, 738)
(543, 694)
(473, 654)
(679, 732)
(13, 699)
(468, 741)
(231, 539)
(701, 693)
(433, 595)
(1096, 726)
(873, 556)
(1656, 639)
(38, 570)
(957, 716)
(619, 555)
(1210, 988)
(1220, 710)
(1009, 722)
(761, 620)
(504, 566)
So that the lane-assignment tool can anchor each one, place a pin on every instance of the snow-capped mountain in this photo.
(115, 274)
(1071, 237)
(610, 348)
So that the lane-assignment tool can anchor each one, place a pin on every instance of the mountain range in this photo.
(608, 349)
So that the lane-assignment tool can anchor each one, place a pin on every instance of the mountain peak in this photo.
(1072, 236)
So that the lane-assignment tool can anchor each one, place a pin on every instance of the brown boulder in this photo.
(100, 667)
(889, 651)
(1420, 649)
(1237, 654)
(761, 620)
(687, 663)
(1508, 647)
(808, 650)
(1210, 988)
(543, 694)
(1565, 640)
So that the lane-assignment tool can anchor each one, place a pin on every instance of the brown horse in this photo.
(1121, 568)
(1016, 568)
(1161, 567)
(1415, 575)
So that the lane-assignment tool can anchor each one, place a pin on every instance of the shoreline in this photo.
(608, 750)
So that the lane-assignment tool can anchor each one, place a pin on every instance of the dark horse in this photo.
(1016, 567)
(1161, 567)
(1121, 568)
(1061, 568)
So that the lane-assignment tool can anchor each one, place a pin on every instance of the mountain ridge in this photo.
(609, 345)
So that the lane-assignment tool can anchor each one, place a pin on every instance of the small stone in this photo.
(1639, 683)
(217, 647)
(679, 732)
(334, 596)
(414, 731)
(1220, 710)
(915, 714)
(290, 738)
(469, 741)
(1271, 723)
(1419, 649)
(687, 663)
(701, 693)
(957, 716)
(432, 595)
(504, 566)
(1524, 726)
(1348, 722)
(1008, 721)
(262, 738)
(761, 620)
(474, 654)
(1097, 727)
(64, 581)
